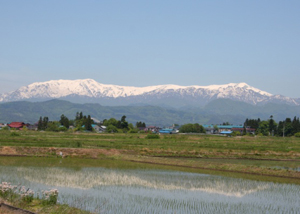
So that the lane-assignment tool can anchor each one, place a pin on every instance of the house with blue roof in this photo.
(221, 129)
(97, 128)
(167, 131)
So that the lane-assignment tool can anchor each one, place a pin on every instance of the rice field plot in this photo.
(149, 190)
(167, 145)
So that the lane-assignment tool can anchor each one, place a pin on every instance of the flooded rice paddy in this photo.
(137, 189)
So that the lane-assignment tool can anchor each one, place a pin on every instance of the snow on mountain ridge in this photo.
(89, 87)
(93, 89)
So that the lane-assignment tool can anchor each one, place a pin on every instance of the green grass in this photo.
(167, 145)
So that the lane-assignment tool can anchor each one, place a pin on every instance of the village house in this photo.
(33, 127)
(210, 129)
(153, 129)
(168, 131)
(2, 125)
(226, 129)
(98, 128)
(17, 125)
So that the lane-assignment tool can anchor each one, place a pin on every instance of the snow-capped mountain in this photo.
(88, 90)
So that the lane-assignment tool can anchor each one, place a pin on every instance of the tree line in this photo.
(83, 122)
(287, 127)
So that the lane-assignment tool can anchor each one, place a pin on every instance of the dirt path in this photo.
(8, 209)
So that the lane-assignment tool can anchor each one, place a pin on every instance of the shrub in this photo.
(78, 144)
(192, 128)
(5, 128)
(62, 129)
(235, 133)
(21, 194)
(133, 131)
(50, 197)
(152, 136)
(26, 195)
(111, 129)
(297, 134)
(14, 134)
(14, 193)
(7, 190)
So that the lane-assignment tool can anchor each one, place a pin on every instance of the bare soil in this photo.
(66, 152)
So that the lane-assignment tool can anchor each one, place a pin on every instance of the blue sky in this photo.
(142, 43)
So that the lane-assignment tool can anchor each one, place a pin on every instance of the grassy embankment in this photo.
(20, 199)
(272, 156)
(37, 207)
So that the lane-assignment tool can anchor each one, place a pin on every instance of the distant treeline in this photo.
(288, 127)
(83, 122)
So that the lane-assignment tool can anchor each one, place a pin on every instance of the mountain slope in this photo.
(31, 111)
(216, 112)
(88, 90)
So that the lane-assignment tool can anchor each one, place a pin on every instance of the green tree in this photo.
(191, 128)
(40, 124)
(263, 128)
(252, 123)
(140, 124)
(111, 121)
(53, 126)
(216, 128)
(64, 121)
(288, 127)
(124, 123)
(296, 125)
(77, 117)
(111, 129)
(130, 126)
(45, 123)
(297, 134)
(88, 123)
(272, 126)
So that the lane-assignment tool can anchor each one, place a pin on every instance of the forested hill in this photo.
(152, 115)
(216, 112)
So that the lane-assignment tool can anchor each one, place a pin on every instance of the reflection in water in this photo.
(287, 168)
(156, 191)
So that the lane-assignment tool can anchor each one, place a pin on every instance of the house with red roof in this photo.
(16, 125)
(153, 129)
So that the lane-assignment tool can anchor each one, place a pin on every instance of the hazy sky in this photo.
(142, 43)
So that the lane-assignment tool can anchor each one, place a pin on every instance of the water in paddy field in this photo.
(107, 190)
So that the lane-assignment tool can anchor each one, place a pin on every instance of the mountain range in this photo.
(160, 105)
(215, 112)
(174, 96)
